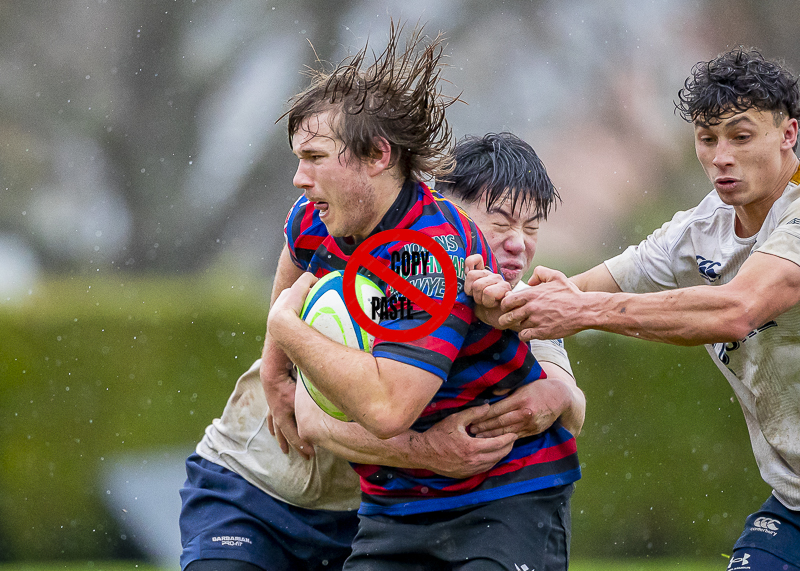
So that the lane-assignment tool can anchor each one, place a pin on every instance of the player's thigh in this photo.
(529, 531)
(224, 517)
(772, 531)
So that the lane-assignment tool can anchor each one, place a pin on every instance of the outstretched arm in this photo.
(764, 287)
(446, 448)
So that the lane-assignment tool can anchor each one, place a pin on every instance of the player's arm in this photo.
(279, 386)
(765, 286)
(446, 448)
(532, 409)
(383, 395)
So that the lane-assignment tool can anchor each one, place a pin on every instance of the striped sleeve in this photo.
(304, 232)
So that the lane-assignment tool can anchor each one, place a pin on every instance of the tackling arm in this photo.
(764, 287)
(446, 448)
(276, 370)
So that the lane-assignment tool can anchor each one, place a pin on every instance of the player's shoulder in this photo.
(710, 217)
(303, 219)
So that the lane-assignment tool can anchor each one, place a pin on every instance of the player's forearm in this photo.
(573, 410)
(574, 415)
(351, 379)
(688, 316)
(353, 442)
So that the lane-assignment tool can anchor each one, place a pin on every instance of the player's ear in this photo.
(381, 159)
(790, 134)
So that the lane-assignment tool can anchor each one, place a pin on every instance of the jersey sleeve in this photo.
(304, 232)
(647, 267)
(551, 351)
(784, 241)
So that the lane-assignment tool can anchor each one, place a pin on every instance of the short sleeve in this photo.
(784, 241)
(551, 351)
(646, 267)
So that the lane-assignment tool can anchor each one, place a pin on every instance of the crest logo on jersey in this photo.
(794, 221)
(707, 269)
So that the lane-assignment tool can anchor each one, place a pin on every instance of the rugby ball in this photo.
(325, 311)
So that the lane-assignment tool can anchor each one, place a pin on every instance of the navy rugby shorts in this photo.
(223, 516)
(528, 531)
(770, 541)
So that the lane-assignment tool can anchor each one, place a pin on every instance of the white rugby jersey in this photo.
(699, 247)
(240, 441)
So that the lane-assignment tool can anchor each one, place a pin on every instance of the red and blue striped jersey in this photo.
(474, 361)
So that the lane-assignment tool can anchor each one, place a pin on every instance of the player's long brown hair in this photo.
(398, 97)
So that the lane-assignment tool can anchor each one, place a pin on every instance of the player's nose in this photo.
(302, 179)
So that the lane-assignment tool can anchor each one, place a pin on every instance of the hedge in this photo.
(95, 367)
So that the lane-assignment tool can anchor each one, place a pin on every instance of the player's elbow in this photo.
(385, 421)
(743, 317)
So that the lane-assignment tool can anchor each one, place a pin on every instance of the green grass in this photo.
(648, 565)
(579, 565)
(81, 566)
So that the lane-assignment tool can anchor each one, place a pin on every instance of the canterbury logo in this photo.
(794, 221)
(767, 524)
(708, 268)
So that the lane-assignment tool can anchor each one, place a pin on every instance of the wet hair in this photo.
(398, 98)
(738, 80)
(504, 167)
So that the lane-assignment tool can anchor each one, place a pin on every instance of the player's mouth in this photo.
(512, 271)
(322, 207)
(725, 183)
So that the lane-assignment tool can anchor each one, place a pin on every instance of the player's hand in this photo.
(279, 387)
(290, 303)
(546, 311)
(529, 410)
(485, 287)
(449, 450)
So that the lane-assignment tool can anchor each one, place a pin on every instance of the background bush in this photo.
(92, 368)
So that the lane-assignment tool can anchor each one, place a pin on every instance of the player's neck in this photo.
(750, 217)
(387, 189)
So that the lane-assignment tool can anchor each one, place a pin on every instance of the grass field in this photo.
(580, 565)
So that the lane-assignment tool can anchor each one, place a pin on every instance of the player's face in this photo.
(511, 235)
(743, 157)
(335, 182)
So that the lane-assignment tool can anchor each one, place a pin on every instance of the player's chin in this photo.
(512, 276)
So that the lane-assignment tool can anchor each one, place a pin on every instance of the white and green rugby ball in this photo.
(325, 311)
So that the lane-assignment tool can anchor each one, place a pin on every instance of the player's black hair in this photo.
(397, 98)
(738, 80)
(504, 167)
